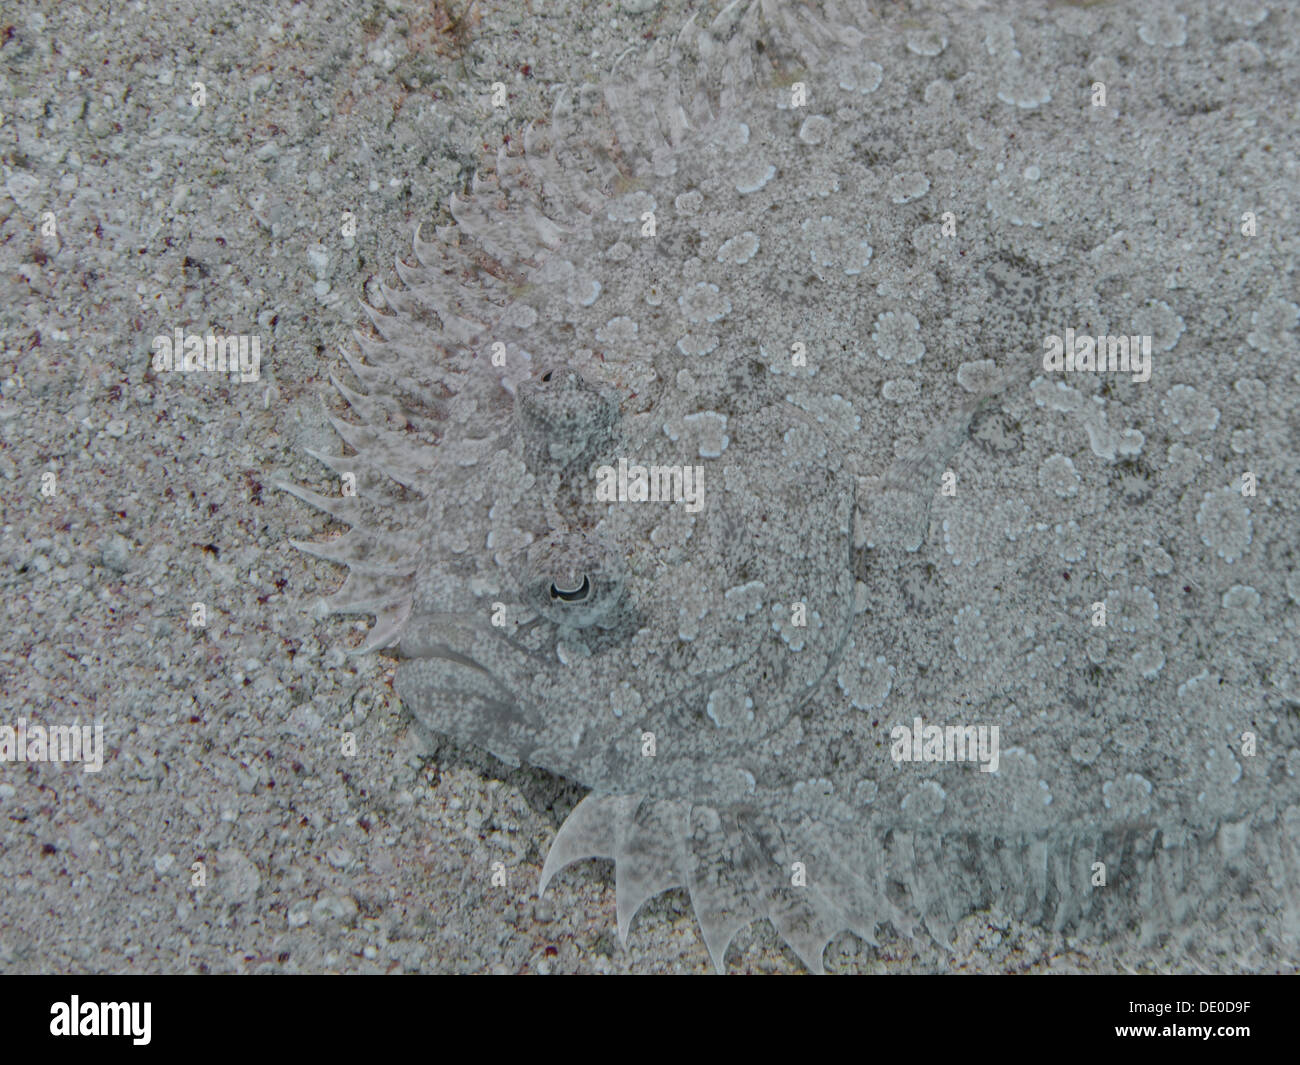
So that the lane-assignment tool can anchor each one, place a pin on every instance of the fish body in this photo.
(711, 460)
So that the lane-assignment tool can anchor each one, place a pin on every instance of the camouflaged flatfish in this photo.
(946, 628)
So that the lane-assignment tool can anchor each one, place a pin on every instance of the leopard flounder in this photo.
(735, 259)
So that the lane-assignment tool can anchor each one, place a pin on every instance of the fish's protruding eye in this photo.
(565, 421)
(575, 582)
(572, 595)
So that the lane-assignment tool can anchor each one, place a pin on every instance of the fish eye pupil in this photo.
(571, 595)
(546, 376)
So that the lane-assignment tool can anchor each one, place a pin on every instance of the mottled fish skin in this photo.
(821, 271)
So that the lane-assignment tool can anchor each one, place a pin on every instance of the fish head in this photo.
(634, 613)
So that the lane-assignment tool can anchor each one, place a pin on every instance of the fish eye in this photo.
(563, 419)
(574, 581)
(572, 595)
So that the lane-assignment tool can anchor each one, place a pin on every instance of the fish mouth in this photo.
(464, 678)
